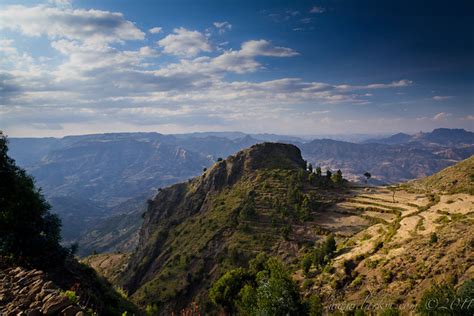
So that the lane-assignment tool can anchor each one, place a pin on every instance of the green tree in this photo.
(310, 167)
(328, 174)
(305, 209)
(306, 263)
(367, 175)
(314, 306)
(268, 291)
(151, 310)
(337, 177)
(329, 246)
(318, 257)
(258, 263)
(29, 233)
(277, 293)
(318, 171)
(225, 290)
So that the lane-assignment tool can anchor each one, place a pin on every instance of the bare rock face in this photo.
(27, 292)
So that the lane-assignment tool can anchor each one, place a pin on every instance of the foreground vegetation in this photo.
(30, 238)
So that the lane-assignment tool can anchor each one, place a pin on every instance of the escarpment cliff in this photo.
(193, 231)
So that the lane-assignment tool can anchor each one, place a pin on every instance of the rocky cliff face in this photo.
(191, 228)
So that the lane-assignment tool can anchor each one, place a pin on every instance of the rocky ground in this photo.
(28, 292)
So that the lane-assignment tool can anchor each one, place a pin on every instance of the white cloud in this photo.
(222, 27)
(317, 9)
(264, 48)
(155, 30)
(61, 3)
(91, 26)
(95, 83)
(395, 84)
(185, 43)
(441, 116)
(442, 98)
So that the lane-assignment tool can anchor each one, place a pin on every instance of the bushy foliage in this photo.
(29, 233)
(314, 306)
(306, 263)
(318, 171)
(442, 299)
(265, 288)
(225, 290)
(337, 177)
(324, 251)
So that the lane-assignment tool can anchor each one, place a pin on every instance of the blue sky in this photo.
(287, 67)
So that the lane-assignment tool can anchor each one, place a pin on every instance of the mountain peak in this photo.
(245, 162)
(271, 156)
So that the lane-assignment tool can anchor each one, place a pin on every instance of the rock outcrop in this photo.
(28, 292)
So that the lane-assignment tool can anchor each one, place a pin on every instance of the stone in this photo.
(34, 312)
(48, 285)
(55, 304)
(81, 313)
(70, 311)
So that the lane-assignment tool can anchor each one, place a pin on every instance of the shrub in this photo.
(72, 296)
(433, 301)
(307, 284)
(390, 312)
(151, 310)
(387, 276)
(433, 238)
(225, 290)
(314, 306)
(306, 263)
(268, 291)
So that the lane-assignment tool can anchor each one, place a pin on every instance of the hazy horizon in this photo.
(302, 136)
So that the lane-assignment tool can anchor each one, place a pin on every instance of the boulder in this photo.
(70, 311)
(55, 304)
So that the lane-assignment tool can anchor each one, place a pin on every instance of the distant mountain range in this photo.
(439, 136)
(89, 179)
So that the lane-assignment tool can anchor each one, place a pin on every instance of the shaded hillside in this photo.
(260, 199)
(386, 163)
(113, 170)
(455, 179)
(113, 233)
(88, 178)
(439, 136)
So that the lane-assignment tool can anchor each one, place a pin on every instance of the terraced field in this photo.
(394, 242)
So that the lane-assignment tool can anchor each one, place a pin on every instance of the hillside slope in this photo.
(393, 243)
(417, 239)
(257, 200)
(455, 179)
